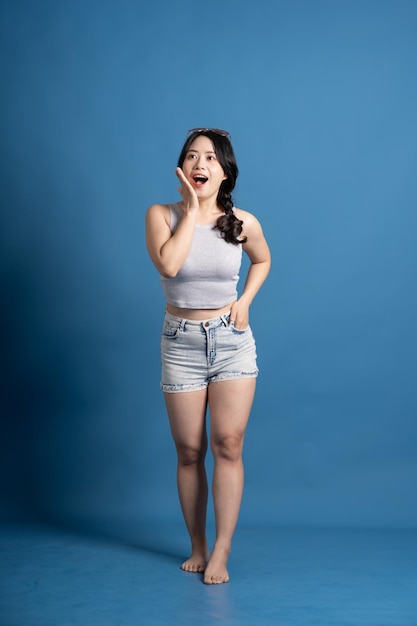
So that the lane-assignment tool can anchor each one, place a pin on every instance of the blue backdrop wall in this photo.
(320, 98)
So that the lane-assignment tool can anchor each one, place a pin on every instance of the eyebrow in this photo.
(206, 152)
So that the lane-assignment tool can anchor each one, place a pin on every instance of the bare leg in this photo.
(187, 416)
(230, 404)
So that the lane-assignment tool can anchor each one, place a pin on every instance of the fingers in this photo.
(240, 322)
(184, 182)
(186, 191)
(180, 175)
(239, 316)
(232, 318)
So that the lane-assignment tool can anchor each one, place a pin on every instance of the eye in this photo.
(211, 158)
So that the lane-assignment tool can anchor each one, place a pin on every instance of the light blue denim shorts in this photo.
(197, 353)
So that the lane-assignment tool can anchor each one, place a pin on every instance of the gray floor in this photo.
(285, 577)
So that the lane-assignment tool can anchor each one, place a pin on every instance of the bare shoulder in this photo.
(158, 209)
(251, 224)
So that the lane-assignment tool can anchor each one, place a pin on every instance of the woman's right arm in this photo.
(168, 251)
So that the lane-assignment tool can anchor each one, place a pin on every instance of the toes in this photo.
(195, 568)
(186, 567)
(216, 580)
(198, 568)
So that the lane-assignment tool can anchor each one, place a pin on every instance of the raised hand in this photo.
(188, 194)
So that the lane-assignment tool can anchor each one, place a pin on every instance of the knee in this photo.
(187, 455)
(228, 448)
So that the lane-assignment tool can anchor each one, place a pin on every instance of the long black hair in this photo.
(228, 224)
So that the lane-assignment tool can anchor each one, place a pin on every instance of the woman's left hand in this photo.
(239, 315)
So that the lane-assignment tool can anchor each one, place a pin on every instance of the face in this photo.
(202, 169)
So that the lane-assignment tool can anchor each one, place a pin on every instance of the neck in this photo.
(209, 206)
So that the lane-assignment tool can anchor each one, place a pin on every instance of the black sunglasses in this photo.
(218, 131)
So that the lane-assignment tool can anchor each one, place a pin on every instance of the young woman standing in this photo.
(207, 347)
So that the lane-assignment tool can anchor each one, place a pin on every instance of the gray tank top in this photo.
(209, 276)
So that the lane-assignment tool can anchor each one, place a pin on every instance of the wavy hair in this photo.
(228, 224)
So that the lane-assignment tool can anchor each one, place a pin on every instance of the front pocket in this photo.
(169, 330)
(238, 331)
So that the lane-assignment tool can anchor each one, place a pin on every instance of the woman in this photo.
(208, 351)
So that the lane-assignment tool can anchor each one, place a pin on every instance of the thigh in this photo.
(230, 403)
(187, 417)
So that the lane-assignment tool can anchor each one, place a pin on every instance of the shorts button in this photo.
(207, 324)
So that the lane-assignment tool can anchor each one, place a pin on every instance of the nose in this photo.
(199, 164)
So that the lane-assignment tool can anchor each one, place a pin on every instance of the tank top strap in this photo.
(175, 215)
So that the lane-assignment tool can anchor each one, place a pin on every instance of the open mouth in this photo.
(200, 180)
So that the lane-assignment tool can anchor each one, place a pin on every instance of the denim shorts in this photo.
(196, 353)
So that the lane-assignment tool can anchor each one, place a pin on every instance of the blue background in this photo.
(320, 98)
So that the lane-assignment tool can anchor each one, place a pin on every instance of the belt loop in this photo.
(224, 319)
(182, 324)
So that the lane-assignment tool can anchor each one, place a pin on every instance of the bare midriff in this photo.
(198, 314)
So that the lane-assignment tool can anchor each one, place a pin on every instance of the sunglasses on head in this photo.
(218, 131)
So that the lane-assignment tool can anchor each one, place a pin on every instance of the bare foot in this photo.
(216, 572)
(197, 561)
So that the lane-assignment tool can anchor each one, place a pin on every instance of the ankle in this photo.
(222, 546)
(199, 543)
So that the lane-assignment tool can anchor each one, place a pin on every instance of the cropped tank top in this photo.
(210, 273)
